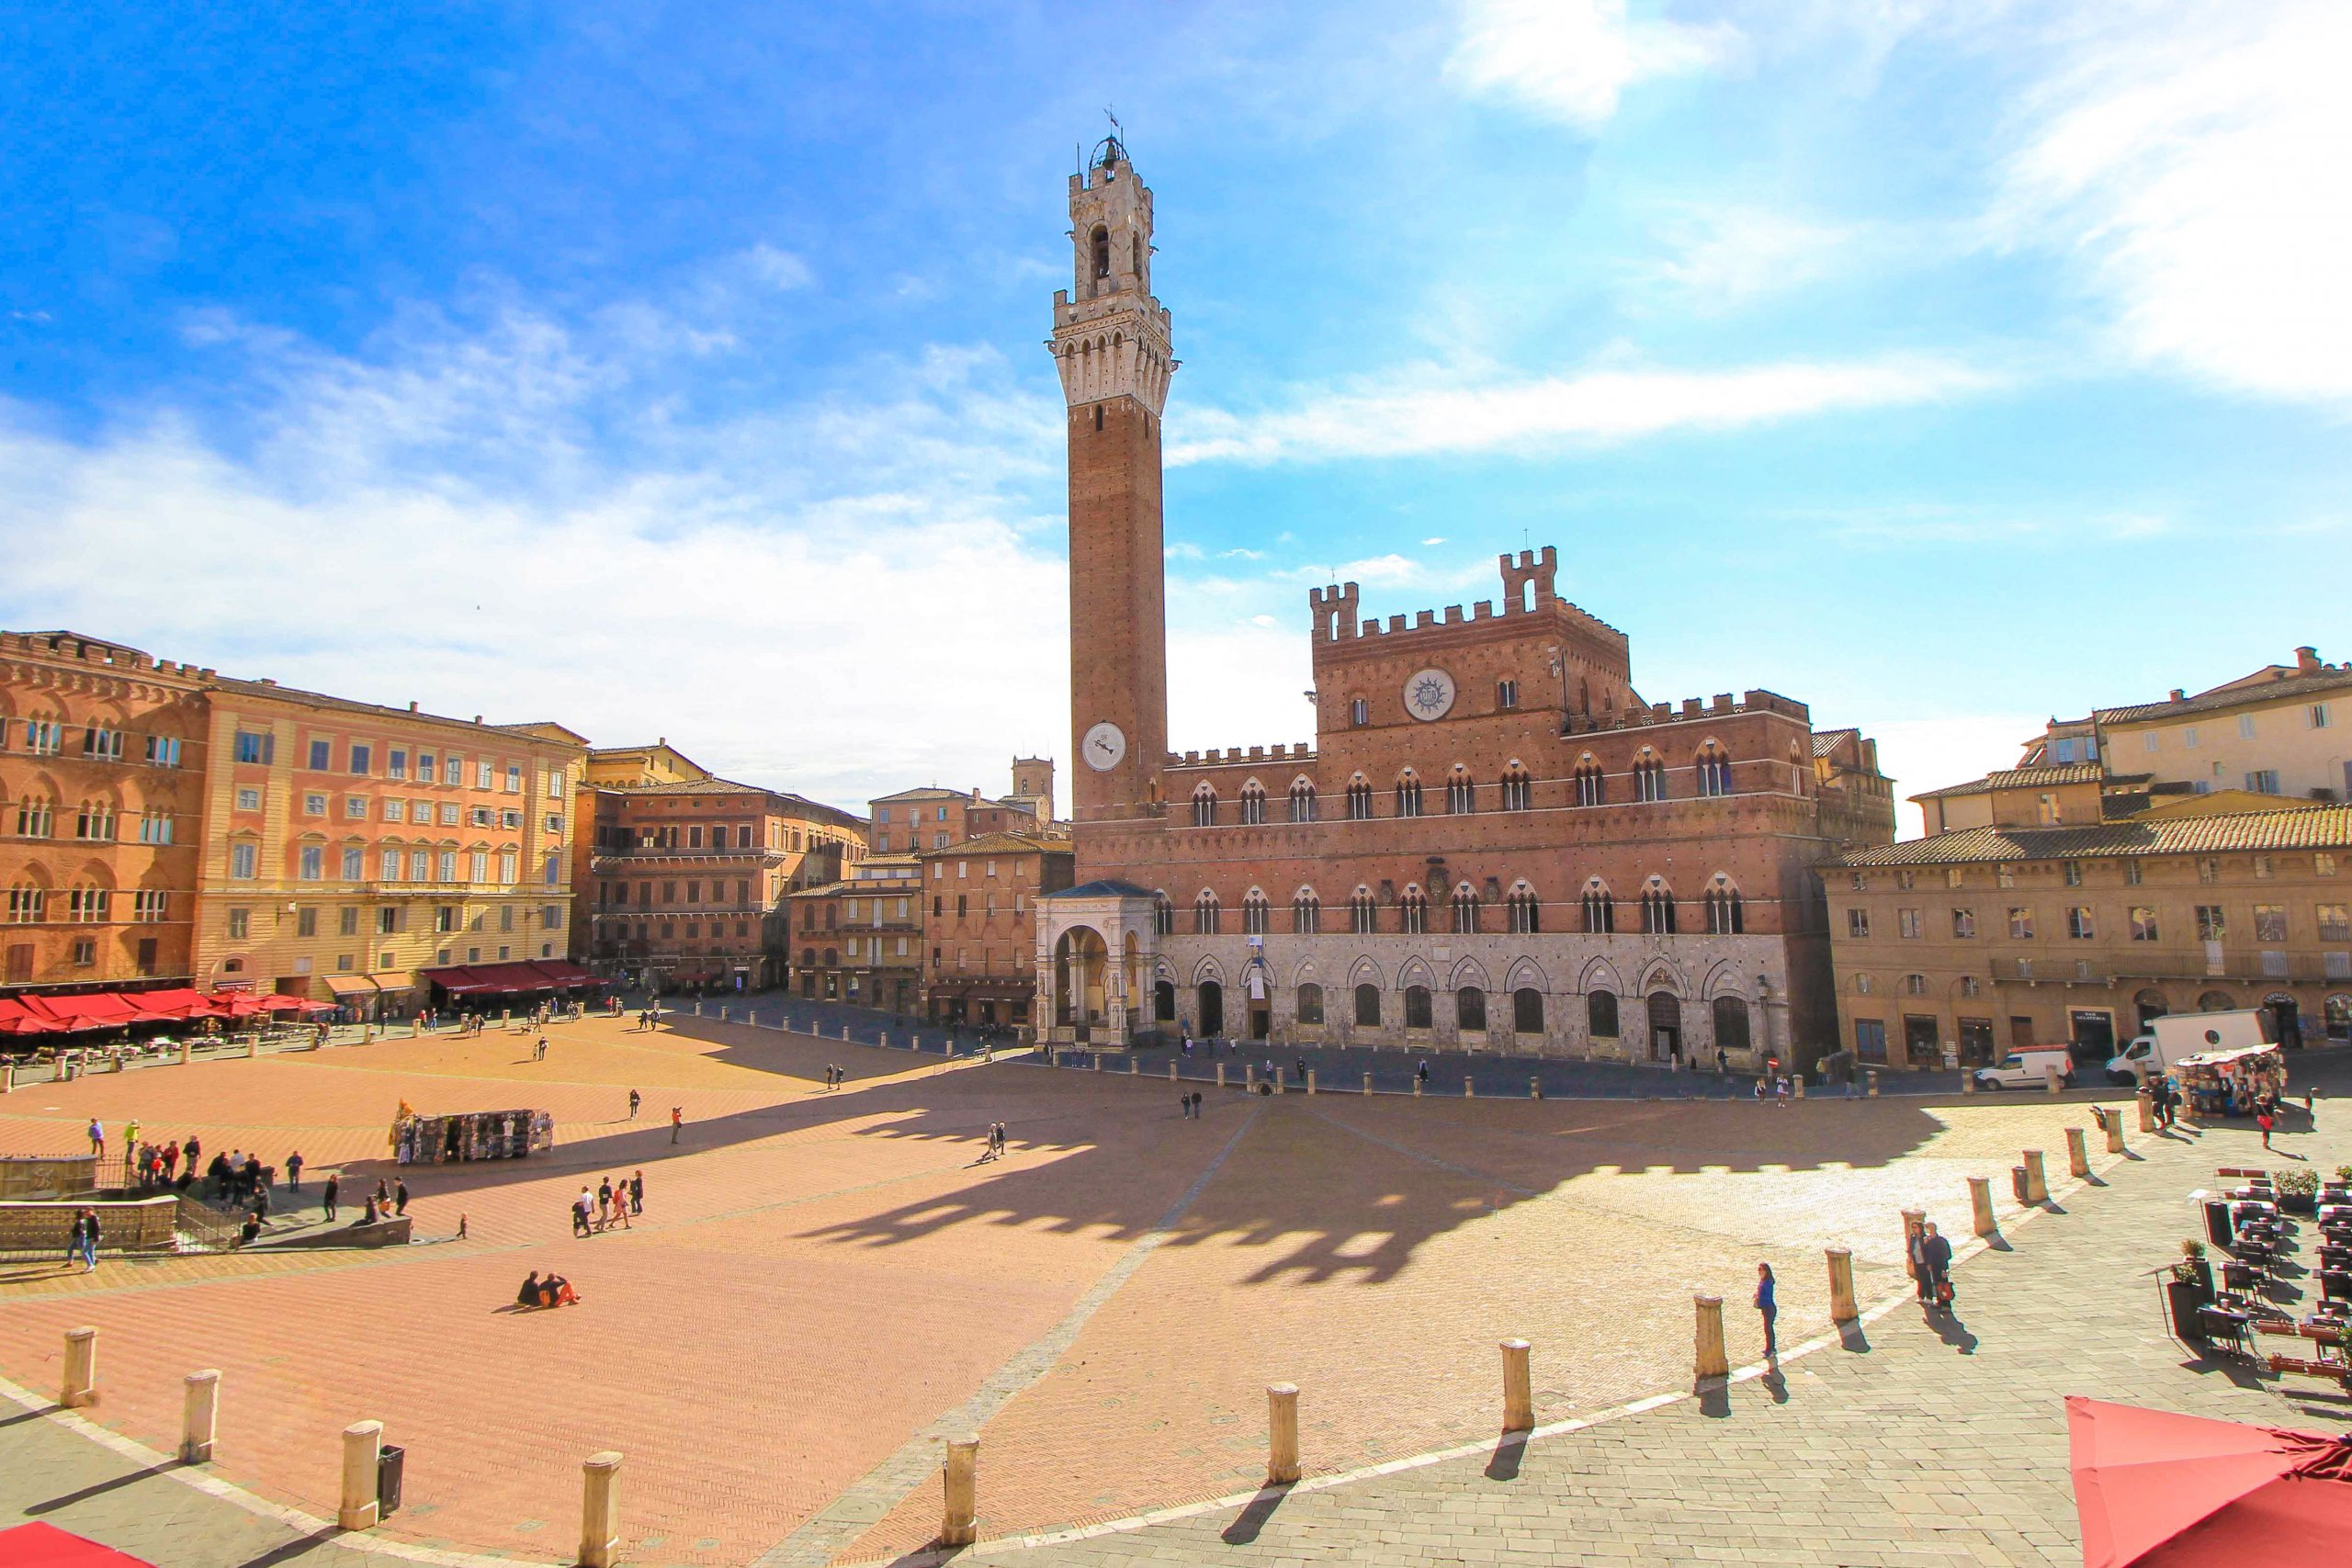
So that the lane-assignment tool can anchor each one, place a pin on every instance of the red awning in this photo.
(173, 1001)
(560, 972)
(491, 979)
(2157, 1490)
(41, 1545)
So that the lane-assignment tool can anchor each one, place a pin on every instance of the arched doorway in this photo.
(2286, 1020)
(1081, 959)
(1212, 1001)
(2152, 1006)
(1163, 1001)
(1666, 1026)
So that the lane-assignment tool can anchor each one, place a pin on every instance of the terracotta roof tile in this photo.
(2292, 828)
(2224, 698)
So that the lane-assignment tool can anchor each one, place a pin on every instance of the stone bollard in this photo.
(1416, 1086)
(1310, 1080)
(1534, 1087)
(883, 1040)
(1367, 1083)
(8, 1075)
(600, 1510)
(1873, 1083)
(363, 1447)
(2113, 1122)
(252, 1045)
(1796, 1085)
(1519, 1396)
(1711, 1361)
(1842, 1306)
(1094, 1059)
(960, 1482)
(81, 1382)
(2078, 1153)
(2147, 1111)
(506, 1017)
(697, 1007)
(200, 1415)
(722, 1015)
(2050, 1077)
(1968, 1081)
(1281, 1434)
(1469, 1088)
(1980, 1204)
(1277, 1080)
(1171, 1069)
(1220, 1075)
(1249, 1077)
(2037, 1181)
(415, 1031)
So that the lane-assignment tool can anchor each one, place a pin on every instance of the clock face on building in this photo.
(1104, 747)
(1428, 694)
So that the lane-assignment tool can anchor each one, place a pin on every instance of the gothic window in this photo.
(1163, 914)
(1205, 913)
(1204, 807)
(1518, 791)
(1416, 1007)
(1465, 910)
(1306, 912)
(1657, 910)
(1253, 804)
(1408, 795)
(1525, 911)
(1368, 1007)
(1461, 796)
(1358, 801)
(1101, 252)
(1310, 1003)
(1359, 712)
(1725, 916)
(1650, 777)
(1601, 1014)
(1253, 914)
(1730, 1023)
(1714, 771)
(1302, 801)
(1592, 785)
(1363, 914)
(1413, 913)
(1470, 1008)
(1527, 1010)
(1600, 910)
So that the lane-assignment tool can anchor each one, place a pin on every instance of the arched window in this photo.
(1358, 800)
(1163, 1001)
(1461, 796)
(1302, 801)
(1527, 1010)
(1363, 913)
(1592, 785)
(1413, 913)
(1253, 913)
(1253, 804)
(1311, 1004)
(1715, 770)
(1470, 1008)
(2335, 1015)
(1724, 916)
(1163, 914)
(1730, 1023)
(1518, 791)
(1915, 984)
(2216, 1002)
(1102, 242)
(1204, 914)
(1368, 1007)
(1204, 807)
(1465, 910)
(1526, 913)
(1600, 910)
(35, 817)
(1416, 1007)
(1649, 776)
(1863, 984)
(1408, 794)
(95, 820)
(1658, 909)
(1306, 912)
(1601, 1014)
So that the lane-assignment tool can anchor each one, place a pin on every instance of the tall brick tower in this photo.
(1111, 342)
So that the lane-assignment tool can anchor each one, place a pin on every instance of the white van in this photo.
(2179, 1034)
(2024, 1068)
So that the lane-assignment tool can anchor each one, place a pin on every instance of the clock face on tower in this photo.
(1428, 694)
(1104, 747)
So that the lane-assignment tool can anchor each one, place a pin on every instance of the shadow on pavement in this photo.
(1504, 1465)
(1851, 1336)
(1252, 1519)
(1953, 1331)
(300, 1546)
(97, 1489)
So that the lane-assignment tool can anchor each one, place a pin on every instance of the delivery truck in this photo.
(2176, 1035)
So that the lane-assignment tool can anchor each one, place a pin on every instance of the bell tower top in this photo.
(1110, 337)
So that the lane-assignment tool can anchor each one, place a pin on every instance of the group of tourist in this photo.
(995, 1149)
(612, 1202)
(836, 1077)
(553, 1290)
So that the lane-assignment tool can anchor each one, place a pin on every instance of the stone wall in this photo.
(142, 1224)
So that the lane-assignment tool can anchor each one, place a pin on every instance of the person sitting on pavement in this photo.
(529, 1294)
(556, 1290)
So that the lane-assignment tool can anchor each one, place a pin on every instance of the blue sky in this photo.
(677, 371)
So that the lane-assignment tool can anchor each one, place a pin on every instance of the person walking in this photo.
(2264, 1120)
(1768, 1309)
(581, 1207)
(635, 1099)
(1196, 1105)
(677, 1122)
(97, 1138)
(619, 1184)
(1915, 1260)
(85, 1239)
(1935, 1257)
(1184, 1105)
(294, 1171)
(334, 1188)
(637, 1194)
(541, 1055)
(605, 1203)
(171, 1159)
(400, 1196)
(1422, 1072)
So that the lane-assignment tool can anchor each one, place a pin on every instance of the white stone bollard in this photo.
(1220, 1075)
(1171, 1069)
(1310, 1080)
(199, 1416)
(722, 1015)
(2037, 1181)
(415, 1031)
(1796, 1085)
(1873, 1083)
(2147, 1110)
(2113, 1122)
(1519, 1396)
(363, 1447)
(1469, 1087)
(1710, 1359)
(1416, 1086)
(1842, 1305)
(1534, 1087)
(1281, 1434)
(1980, 1204)
(1249, 1077)
(1367, 1083)
(600, 1510)
(960, 1478)
(2050, 1078)
(253, 1047)
(1135, 1066)
(2078, 1153)
(80, 1385)
(8, 1074)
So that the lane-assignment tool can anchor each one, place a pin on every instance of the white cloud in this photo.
(1570, 60)
(518, 521)
(1183, 549)
(1723, 257)
(1439, 540)
(1595, 407)
(2192, 159)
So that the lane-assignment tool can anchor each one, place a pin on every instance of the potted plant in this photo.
(2188, 1292)
(2297, 1190)
(2193, 1266)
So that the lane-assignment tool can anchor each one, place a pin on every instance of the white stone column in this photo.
(363, 1447)
(199, 1417)
(1842, 1306)
(80, 1384)
(1281, 1434)
(600, 1510)
(960, 1482)
(1519, 1398)
(1710, 1359)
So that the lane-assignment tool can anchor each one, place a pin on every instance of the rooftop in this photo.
(2019, 778)
(2289, 828)
(2277, 684)
(1000, 844)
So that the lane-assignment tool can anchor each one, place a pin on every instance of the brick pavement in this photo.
(823, 1275)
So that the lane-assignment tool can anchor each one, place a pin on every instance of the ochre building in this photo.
(1494, 840)
(979, 934)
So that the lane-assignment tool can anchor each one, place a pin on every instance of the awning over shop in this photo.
(562, 973)
(351, 986)
(393, 979)
(86, 1011)
(506, 979)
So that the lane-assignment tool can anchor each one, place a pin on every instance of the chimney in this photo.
(411, 704)
(2307, 661)
(2179, 695)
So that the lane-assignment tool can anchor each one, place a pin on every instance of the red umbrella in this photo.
(38, 1545)
(2157, 1490)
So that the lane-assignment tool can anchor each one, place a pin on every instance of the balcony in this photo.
(2239, 966)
